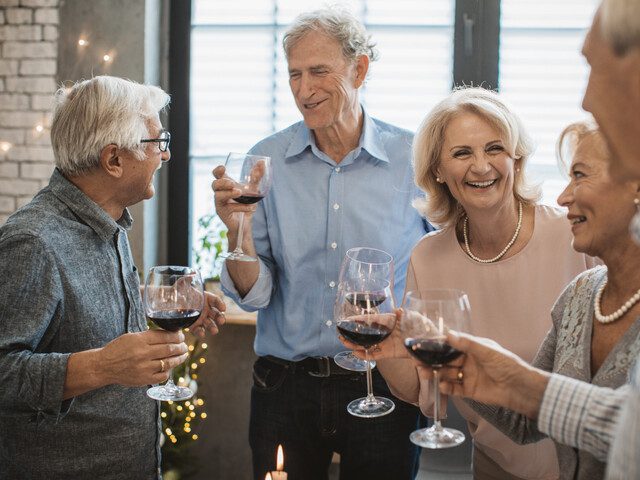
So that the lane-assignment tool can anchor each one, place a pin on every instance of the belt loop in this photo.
(324, 368)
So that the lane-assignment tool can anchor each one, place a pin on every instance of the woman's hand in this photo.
(391, 347)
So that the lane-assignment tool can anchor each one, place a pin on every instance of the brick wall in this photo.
(28, 58)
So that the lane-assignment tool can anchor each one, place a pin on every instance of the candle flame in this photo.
(280, 459)
(268, 476)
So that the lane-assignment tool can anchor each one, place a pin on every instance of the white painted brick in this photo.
(9, 3)
(9, 169)
(20, 32)
(18, 15)
(38, 67)
(29, 50)
(1, 85)
(7, 204)
(30, 154)
(39, 139)
(3, 218)
(41, 102)
(8, 67)
(48, 16)
(20, 119)
(19, 186)
(37, 171)
(39, 3)
(14, 136)
(1, 16)
(31, 84)
(22, 201)
(12, 101)
(50, 32)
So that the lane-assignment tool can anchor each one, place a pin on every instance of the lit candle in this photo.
(268, 477)
(279, 474)
(441, 325)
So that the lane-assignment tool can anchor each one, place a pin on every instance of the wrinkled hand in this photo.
(390, 347)
(212, 316)
(133, 359)
(493, 375)
(225, 190)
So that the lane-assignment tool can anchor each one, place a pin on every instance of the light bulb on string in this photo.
(5, 146)
(82, 42)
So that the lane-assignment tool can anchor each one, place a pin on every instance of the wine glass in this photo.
(365, 316)
(173, 299)
(368, 262)
(426, 318)
(253, 175)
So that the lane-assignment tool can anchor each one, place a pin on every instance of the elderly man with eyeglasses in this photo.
(75, 353)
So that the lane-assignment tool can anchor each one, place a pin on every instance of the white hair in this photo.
(95, 113)
(621, 24)
(337, 23)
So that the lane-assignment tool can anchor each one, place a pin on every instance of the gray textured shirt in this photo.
(68, 284)
(567, 350)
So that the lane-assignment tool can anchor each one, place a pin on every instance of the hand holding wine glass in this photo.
(427, 317)
(244, 181)
(365, 315)
(173, 299)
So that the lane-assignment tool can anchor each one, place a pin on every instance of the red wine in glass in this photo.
(174, 320)
(363, 334)
(432, 352)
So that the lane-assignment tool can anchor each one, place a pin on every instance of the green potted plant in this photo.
(211, 242)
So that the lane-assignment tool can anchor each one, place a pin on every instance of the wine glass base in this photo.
(349, 361)
(164, 394)
(434, 439)
(240, 257)
(366, 408)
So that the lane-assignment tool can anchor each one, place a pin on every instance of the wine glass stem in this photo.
(370, 396)
(238, 248)
(169, 385)
(436, 391)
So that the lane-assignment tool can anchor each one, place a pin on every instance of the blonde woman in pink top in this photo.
(512, 256)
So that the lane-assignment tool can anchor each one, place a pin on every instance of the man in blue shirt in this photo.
(341, 179)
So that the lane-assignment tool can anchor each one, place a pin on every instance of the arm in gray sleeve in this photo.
(30, 298)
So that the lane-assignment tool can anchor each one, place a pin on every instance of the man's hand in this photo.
(491, 374)
(225, 190)
(142, 358)
(212, 316)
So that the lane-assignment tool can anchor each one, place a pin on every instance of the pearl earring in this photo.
(637, 202)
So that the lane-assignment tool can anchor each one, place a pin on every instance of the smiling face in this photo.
(323, 82)
(474, 163)
(140, 174)
(599, 208)
(613, 97)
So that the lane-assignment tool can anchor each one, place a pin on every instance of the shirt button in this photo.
(334, 245)
(332, 284)
(337, 169)
(336, 206)
(328, 323)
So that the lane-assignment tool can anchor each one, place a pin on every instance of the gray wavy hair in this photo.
(439, 205)
(95, 113)
(338, 23)
(621, 24)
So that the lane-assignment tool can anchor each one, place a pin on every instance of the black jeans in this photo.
(308, 416)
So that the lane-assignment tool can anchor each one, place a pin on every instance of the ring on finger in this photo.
(161, 366)
(460, 375)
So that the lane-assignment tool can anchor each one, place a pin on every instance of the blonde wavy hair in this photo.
(572, 136)
(439, 205)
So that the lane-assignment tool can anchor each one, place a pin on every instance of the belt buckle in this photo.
(324, 368)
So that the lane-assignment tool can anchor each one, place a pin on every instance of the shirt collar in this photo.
(86, 209)
(370, 140)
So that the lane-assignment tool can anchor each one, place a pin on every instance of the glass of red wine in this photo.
(362, 262)
(253, 175)
(426, 318)
(365, 316)
(173, 299)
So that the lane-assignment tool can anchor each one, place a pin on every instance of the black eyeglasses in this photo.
(163, 141)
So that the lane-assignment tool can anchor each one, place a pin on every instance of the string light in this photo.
(82, 42)
(5, 146)
(106, 58)
(39, 128)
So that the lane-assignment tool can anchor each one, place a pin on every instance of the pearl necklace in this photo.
(504, 250)
(618, 313)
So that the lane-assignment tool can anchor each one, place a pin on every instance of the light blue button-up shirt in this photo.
(316, 210)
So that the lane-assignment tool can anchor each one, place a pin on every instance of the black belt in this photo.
(314, 366)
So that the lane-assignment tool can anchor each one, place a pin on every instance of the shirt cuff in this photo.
(579, 414)
(43, 385)
(256, 298)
